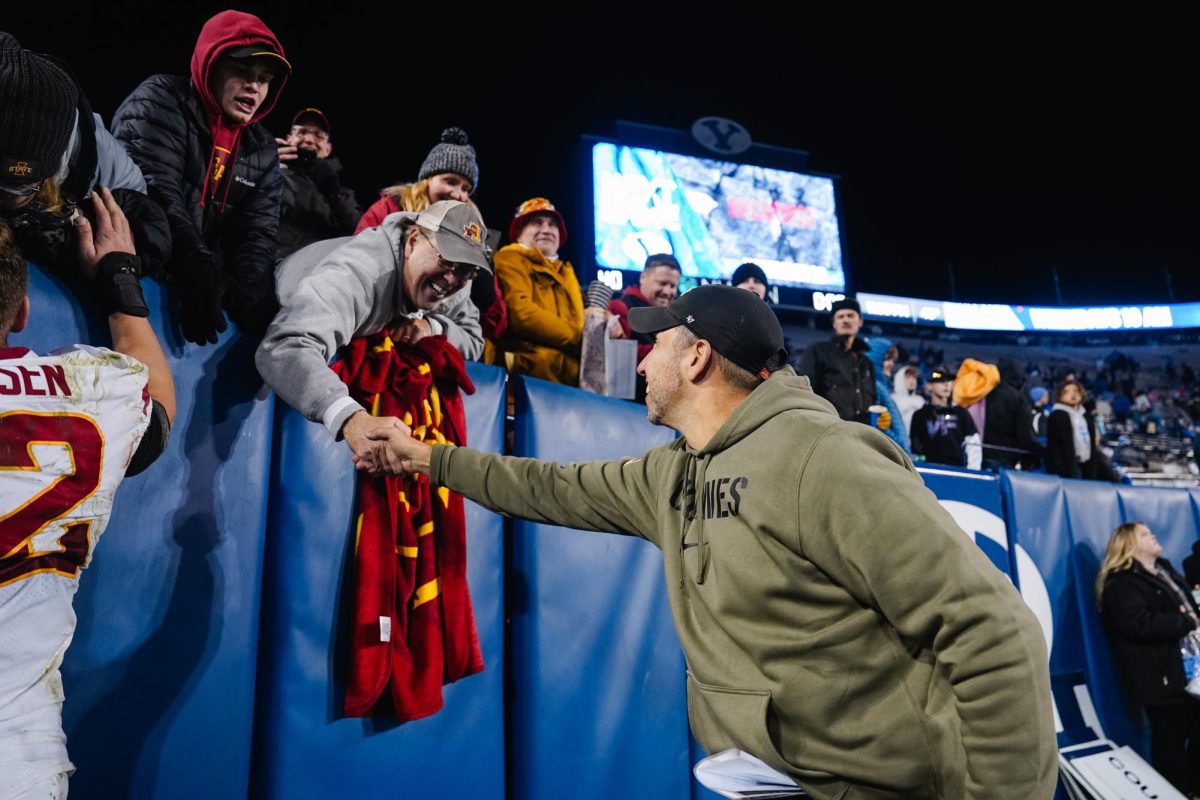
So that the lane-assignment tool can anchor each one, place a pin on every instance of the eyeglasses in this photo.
(316, 133)
(21, 191)
(463, 272)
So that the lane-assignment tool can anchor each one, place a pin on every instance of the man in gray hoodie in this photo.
(407, 275)
(837, 623)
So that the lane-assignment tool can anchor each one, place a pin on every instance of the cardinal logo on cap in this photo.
(471, 232)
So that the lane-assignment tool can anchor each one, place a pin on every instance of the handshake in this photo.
(385, 446)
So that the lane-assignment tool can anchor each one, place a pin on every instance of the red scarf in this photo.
(413, 626)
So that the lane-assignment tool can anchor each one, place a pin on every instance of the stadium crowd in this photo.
(232, 219)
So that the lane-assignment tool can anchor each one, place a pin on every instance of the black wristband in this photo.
(118, 282)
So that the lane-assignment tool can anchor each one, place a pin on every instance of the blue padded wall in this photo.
(160, 678)
(1037, 523)
(973, 499)
(1093, 512)
(599, 705)
(1168, 512)
(303, 749)
(1064, 525)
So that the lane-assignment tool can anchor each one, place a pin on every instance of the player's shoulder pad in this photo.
(86, 354)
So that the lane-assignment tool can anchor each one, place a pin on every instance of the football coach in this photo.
(836, 622)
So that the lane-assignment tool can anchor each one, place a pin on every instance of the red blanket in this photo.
(413, 626)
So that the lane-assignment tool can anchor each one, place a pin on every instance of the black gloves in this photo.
(325, 177)
(251, 311)
(200, 285)
(150, 229)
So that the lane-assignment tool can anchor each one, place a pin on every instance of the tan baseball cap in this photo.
(458, 231)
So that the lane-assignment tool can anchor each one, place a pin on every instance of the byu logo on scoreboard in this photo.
(722, 136)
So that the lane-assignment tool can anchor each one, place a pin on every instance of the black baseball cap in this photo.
(846, 302)
(735, 322)
(259, 50)
(939, 374)
(315, 115)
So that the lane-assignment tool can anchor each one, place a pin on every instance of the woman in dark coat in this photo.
(1072, 446)
(1147, 609)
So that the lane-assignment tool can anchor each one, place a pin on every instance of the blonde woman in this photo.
(1146, 609)
(449, 172)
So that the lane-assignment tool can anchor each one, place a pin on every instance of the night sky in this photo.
(1003, 146)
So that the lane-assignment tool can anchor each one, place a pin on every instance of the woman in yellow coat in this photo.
(545, 305)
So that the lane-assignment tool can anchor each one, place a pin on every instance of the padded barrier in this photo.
(160, 678)
(598, 708)
(973, 499)
(303, 749)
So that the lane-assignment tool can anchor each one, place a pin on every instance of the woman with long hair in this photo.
(1069, 434)
(1147, 609)
(449, 172)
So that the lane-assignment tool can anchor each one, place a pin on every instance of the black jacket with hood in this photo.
(227, 226)
(1006, 420)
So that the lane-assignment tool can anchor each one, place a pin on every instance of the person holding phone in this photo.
(315, 205)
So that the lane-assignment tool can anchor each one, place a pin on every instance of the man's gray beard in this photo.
(662, 396)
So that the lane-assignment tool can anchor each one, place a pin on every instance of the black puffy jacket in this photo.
(315, 205)
(163, 127)
(1144, 625)
(846, 378)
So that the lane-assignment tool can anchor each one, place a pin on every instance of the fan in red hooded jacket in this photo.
(215, 170)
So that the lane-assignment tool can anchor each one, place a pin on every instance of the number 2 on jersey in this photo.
(28, 544)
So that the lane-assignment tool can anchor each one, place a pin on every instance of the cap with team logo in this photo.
(536, 205)
(735, 322)
(459, 232)
(314, 115)
(260, 50)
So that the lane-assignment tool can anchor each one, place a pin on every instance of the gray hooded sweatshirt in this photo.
(333, 291)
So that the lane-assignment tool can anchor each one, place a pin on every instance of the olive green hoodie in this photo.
(836, 621)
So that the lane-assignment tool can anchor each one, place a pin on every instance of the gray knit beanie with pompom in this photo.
(452, 154)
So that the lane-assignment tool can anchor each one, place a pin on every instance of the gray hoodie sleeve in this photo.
(346, 293)
(114, 168)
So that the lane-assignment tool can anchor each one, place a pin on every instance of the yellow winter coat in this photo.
(545, 315)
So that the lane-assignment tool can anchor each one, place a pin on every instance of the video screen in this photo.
(713, 216)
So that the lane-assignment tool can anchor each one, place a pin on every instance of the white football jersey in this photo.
(69, 424)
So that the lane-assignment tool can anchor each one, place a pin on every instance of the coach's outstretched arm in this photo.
(612, 496)
(109, 260)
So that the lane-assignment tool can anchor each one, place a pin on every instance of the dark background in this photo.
(1009, 147)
